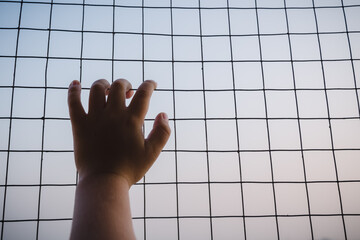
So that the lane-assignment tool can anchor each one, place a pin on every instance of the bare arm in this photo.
(111, 155)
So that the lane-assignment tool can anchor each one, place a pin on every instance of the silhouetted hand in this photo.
(109, 139)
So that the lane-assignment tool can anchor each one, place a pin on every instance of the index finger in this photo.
(140, 102)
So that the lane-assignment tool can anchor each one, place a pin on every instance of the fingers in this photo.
(140, 103)
(119, 91)
(97, 98)
(158, 136)
(76, 109)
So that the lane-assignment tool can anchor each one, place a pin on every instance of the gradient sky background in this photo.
(230, 101)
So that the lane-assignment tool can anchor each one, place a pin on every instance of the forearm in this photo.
(102, 209)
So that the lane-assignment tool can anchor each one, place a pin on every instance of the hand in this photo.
(109, 139)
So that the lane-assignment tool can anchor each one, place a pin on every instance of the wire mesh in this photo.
(263, 101)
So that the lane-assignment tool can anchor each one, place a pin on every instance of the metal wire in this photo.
(239, 121)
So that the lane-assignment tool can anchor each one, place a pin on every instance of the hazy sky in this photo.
(243, 107)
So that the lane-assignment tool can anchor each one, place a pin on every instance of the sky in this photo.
(263, 106)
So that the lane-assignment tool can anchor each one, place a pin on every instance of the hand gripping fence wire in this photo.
(263, 101)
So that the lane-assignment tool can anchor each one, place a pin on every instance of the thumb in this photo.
(158, 136)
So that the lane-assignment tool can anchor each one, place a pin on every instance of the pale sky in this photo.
(230, 96)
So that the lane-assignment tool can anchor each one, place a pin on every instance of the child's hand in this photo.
(109, 139)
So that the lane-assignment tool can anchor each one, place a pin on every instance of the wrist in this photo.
(104, 179)
(102, 208)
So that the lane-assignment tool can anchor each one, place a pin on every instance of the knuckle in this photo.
(142, 93)
(133, 119)
(72, 96)
(72, 91)
(166, 130)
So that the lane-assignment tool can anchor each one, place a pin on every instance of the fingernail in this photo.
(74, 83)
(165, 117)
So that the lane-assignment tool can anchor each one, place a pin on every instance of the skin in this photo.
(111, 155)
